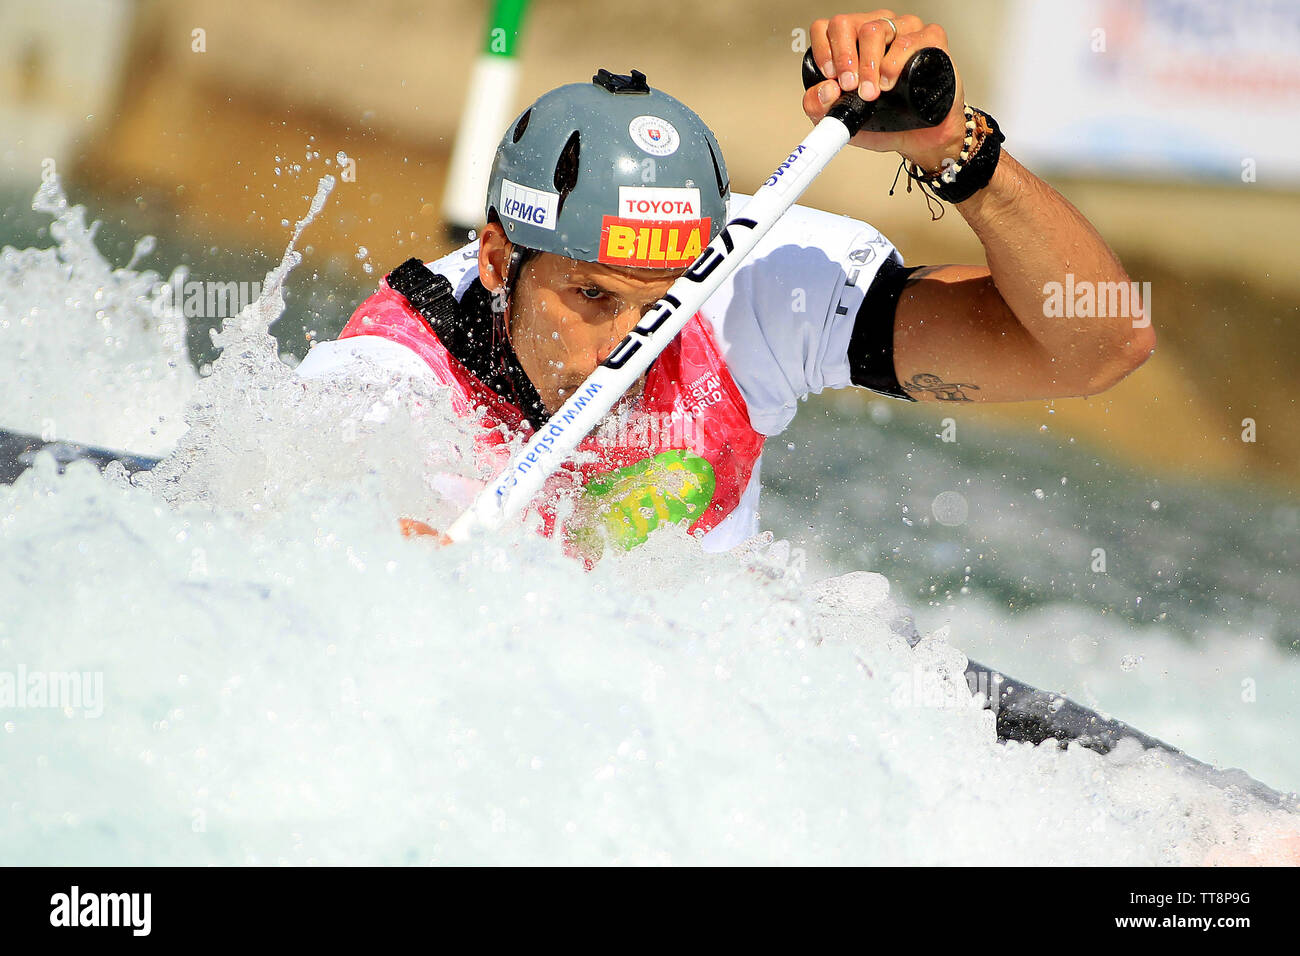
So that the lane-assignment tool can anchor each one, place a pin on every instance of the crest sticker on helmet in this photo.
(654, 135)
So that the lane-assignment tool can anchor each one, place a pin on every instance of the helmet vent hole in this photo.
(566, 168)
(717, 171)
(522, 125)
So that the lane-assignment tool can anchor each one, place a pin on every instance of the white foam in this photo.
(286, 678)
(89, 352)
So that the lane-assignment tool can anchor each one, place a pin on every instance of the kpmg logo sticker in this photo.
(658, 202)
(656, 136)
(783, 179)
(533, 206)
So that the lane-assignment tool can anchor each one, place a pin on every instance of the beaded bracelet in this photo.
(980, 152)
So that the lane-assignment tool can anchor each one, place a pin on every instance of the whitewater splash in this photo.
(285, 678)
(90, 350)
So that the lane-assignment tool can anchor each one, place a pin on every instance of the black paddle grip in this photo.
(922, 97)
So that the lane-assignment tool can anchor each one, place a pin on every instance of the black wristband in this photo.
(975, 174)
(871, 345)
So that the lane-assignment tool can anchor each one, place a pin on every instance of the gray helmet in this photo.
(610, 171)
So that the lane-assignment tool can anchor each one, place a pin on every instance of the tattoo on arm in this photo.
(928, 383)
(921, 272)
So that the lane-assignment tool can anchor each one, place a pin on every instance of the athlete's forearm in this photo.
(1033, 237)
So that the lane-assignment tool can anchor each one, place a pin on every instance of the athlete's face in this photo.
(566, 316)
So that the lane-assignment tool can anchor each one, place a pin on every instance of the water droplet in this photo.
(950, 508)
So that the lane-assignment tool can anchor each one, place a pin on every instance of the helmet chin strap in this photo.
(513, 268)
(519, 256)
(501, 298)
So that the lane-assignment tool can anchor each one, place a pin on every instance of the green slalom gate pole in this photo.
(489, 106)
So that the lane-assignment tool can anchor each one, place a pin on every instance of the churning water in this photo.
(283, 677)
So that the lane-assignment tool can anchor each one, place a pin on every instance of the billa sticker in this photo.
(654, 244)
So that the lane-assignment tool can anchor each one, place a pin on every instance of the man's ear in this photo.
(493, 256)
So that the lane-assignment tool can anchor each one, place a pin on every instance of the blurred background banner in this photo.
(60, 66)
(1194, 88)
